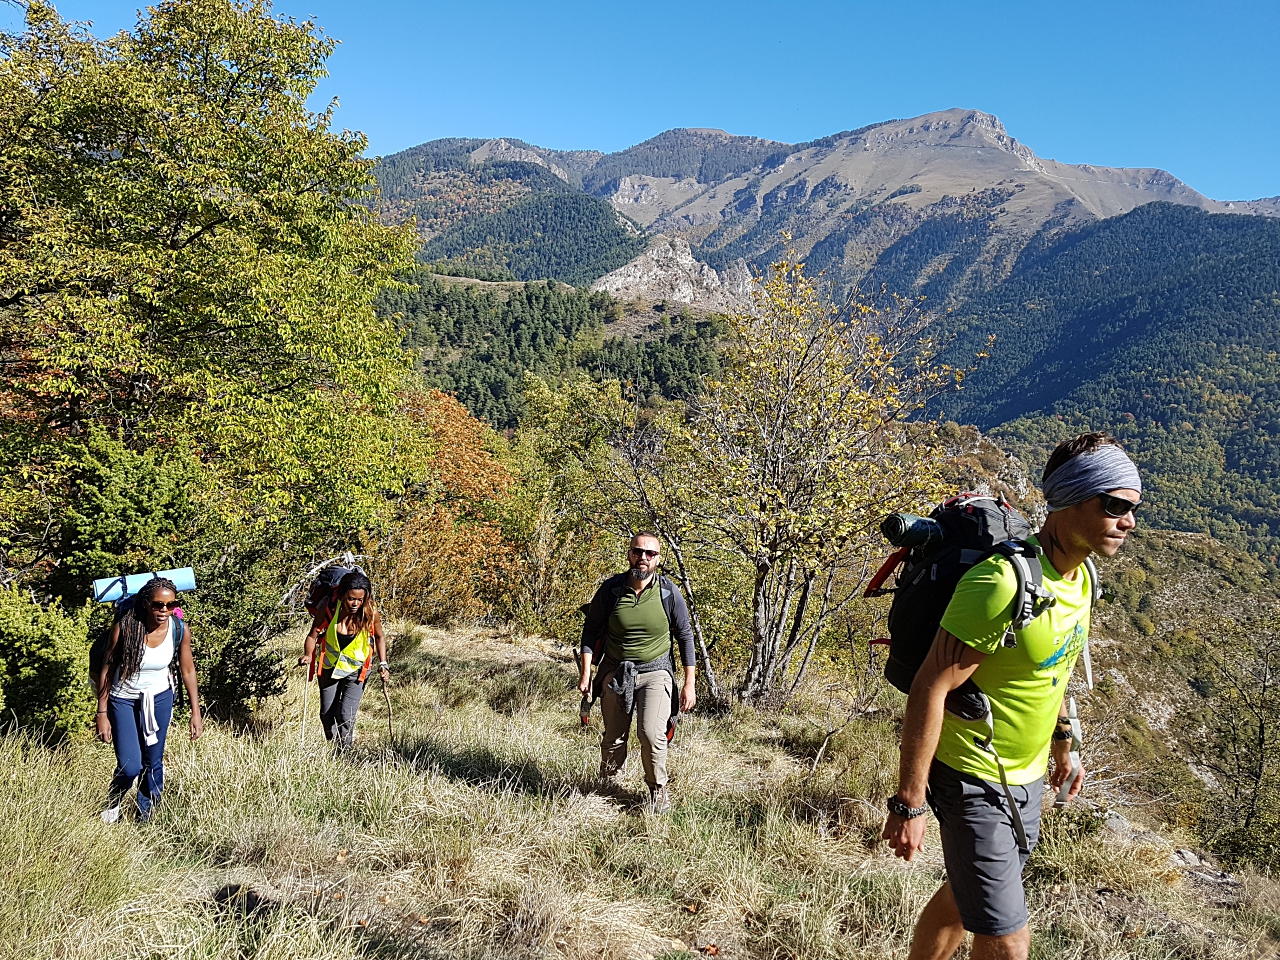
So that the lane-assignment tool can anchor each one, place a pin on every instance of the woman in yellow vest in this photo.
(351, 627)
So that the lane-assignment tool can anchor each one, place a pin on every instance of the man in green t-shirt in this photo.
(628, 631)
(950, 765)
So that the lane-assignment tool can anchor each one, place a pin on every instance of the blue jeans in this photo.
(135, 760)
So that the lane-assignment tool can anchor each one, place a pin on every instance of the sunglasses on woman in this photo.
(1117, 506)
(158, 605)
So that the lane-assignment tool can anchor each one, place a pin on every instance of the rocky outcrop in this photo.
(644, 199)
(505, 150)
(668, 271)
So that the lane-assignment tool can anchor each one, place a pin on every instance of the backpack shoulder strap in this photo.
(668, 590)
(668, 598)
(1032, 598)
(179, 631)
(614, 586)
(1095, 589)
(1095, 594)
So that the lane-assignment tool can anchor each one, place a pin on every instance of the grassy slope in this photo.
(477, 833)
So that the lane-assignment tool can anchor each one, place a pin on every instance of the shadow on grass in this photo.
(476, 765)
(399, 945)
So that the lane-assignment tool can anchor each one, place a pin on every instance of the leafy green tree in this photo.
(188, 262)
(185, 254)
(126, 512)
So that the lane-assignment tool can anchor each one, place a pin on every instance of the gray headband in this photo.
(1105, 469)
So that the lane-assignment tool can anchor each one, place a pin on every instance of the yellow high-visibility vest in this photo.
(356, 656)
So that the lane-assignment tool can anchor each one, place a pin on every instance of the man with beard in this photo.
(973, 775)
(633, 623)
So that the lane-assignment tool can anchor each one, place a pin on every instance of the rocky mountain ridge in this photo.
(946, 201)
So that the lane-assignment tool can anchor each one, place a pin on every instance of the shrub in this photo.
(44, 676)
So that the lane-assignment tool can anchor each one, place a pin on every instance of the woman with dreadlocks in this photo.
(135, 693)
(349, 629)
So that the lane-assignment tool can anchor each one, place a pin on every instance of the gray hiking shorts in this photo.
(984, 864)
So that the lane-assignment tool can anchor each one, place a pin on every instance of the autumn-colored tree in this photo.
(800, 448)
(446, 557)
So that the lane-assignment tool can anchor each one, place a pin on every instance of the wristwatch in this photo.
(900, 809)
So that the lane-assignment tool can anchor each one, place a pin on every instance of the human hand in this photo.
(1065, 767)
(104, 727)
(197, 724)
(384, 672)
(688, 698)
(584, 683)
(1060, 751)
(304, 660)
(906, 837)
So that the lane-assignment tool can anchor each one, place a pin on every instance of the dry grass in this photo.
(477, 832)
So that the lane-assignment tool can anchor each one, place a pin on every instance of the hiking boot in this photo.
(110, 815)
(659, 799)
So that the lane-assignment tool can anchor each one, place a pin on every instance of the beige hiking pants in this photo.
(653, 704)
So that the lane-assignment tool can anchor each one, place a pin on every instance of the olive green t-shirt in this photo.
(1024, 683)
(638, 628)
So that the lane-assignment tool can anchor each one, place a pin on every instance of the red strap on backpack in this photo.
(877, 582)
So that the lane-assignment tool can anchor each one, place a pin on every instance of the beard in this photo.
(637, 574)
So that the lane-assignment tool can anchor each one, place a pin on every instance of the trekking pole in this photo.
(387, 697)
(302, 726)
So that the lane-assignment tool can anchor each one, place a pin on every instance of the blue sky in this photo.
(1191, 87)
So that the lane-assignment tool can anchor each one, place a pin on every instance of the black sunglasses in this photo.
(161, 605)
(1117, 506)
(645, 553)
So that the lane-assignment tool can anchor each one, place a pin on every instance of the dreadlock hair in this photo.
(126, 659)
(355, 580)
(1070, 449)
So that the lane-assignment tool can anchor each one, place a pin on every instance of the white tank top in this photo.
(153, 675)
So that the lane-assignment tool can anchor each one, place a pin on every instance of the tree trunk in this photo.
(753, 678)
(686, 584)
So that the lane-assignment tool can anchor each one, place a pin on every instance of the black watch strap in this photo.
(900, 809)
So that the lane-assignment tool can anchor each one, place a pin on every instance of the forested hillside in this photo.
(504, 215)
(478, 342)
(707, 156)
(1162, 325)
(557, 236)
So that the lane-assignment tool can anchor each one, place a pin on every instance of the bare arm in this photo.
(1060, 750)
(948, 664)
(309, 644)
(104, 685)
(187, 667)
(380, 644)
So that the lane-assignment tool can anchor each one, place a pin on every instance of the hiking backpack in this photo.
(324, 587)
(972, 528)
